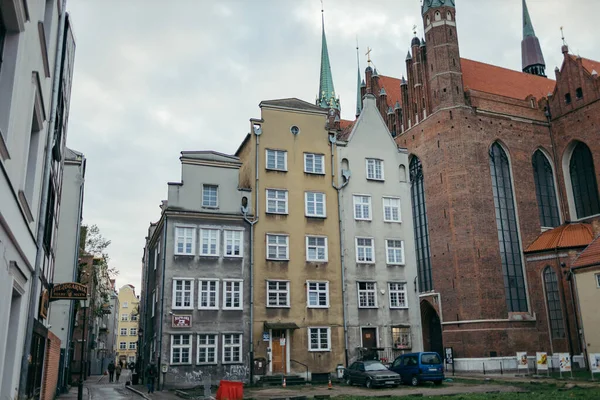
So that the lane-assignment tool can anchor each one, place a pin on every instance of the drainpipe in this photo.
(41, 223)
(338, 189)
(162, 302)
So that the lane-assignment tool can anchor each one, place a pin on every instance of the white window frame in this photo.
(208, 231)
(397, 199)
(125, 304)
(206, 346)
(181, 346)
(185, 239)
(372, 247)
(209, 185)
(395, 249)
(278, 291)
(216, 292)
(278, 245)
(314, 157)
(314, 201)
(123, 330)
(319, 328)
(124, 317)
(230, 235)
(132, 331)
(132, 346)
(366, 292)
(393, 289)
(317, 290)
(277, 200)
(184, 291)
(122, 345)
(277, 154)
(362, 205)
(240, 293)
(232, 346)
(374, 177)
(317, 247)
(134, 317)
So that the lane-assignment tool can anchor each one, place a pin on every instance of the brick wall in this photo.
(51, 367)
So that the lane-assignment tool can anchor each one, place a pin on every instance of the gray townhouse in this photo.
(195, 301)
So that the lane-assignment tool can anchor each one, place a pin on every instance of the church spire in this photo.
(358, 96)
(531, 51)
(326, 96)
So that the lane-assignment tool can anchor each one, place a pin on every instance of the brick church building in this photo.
(504, 169)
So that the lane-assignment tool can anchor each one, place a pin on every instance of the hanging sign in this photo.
(541, 360)
(68, 291)
(522, 360)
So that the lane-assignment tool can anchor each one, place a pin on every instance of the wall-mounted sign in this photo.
(182, 321)
(68, 291)
(266, 337)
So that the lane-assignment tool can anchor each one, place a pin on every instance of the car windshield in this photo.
(430, 359)
(375, 367)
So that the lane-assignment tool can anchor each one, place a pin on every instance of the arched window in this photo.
(508, 236)
(555, 315)
(544, 190)
(417, 192)
(583, 182)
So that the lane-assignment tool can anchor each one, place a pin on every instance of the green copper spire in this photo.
(527, 25)
(358, 97)
(326, 96)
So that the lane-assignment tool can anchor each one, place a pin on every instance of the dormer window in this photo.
(568, 98)
(579, 93)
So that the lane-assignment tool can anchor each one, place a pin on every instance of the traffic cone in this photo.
(283, 384)
(329, 385)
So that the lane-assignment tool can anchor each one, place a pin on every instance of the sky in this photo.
(152, 80)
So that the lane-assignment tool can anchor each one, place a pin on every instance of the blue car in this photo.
(415, 368)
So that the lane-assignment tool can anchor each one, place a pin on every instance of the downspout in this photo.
(41, 225)
(162, 301)
(332, 141)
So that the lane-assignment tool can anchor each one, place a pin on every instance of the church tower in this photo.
(443, 68)
(326, 97)
(531, 52)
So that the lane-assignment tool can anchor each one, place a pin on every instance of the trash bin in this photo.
(135, 378)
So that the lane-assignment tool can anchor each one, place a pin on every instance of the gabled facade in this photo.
(127, 327)
(380, 270)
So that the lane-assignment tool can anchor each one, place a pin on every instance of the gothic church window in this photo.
(568, 98)
(555, 315)
(508, 236)
(417, 192)
(449, 16)
(583, 182)
(545, 191)
(438, 16)
(579, 93)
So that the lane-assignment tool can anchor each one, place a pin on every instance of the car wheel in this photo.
(348, 381)
(414, 381)
(369, 383)
(437, 383)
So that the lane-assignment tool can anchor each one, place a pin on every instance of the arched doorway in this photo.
(432, 329)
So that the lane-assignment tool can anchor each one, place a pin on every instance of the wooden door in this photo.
(369, 338)
(278, 351)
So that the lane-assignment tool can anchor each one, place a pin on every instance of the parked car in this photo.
(415, 368)
(371, 374)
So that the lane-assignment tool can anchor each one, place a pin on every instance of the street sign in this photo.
(68, 291)
(266, 337)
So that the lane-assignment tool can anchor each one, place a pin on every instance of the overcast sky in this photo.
(153, 79)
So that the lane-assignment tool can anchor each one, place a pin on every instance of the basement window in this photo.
(568, 98)
(579, 93)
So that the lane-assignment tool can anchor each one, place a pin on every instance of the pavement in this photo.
(97, 387)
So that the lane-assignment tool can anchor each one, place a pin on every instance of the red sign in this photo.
(182, 321)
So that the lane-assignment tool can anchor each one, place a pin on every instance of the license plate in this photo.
(390, 382)
(433, 369)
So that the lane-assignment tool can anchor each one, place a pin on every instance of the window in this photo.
(555, 314)
(583, 182)
(367, 295)
(421, 227)
(207, 349)
(156, 256)
(397, 293)
(181, 349)
(362, 207)
(153, 303)
(401, 337)
(134, 317)
(391, 209)
(544, 190)
(374, 169)
(185, 238)
(278, 293)
(579, 93)
(183, 293)
(277, 247)
(125, 304)
(277, 201)
(122, 346)
(210, 196)
(208, 298)
(232, 348)
(568, 98)
(209, 242)
(365, 252)
(317, 294)
(132, 331)
(314, 163)
(277, 160)
(124, 317)
(123, 332)
(598, 280)
(394, 249)
(319, 339)
(232, 294)
(316, 248)
(314, 204)
(234, 243)
(508, 236)
(132, 345)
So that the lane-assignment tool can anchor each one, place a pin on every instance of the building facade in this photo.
(127, 326)
(196, 297)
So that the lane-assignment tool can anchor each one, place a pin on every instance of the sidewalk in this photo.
(142, 390)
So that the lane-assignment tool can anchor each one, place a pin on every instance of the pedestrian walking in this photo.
(111, 371)
(151, 374)
(118, 370)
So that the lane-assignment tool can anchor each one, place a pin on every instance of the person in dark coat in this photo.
(111, 371)
(151, 374)
(118, 370)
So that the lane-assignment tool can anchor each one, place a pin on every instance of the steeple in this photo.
(531, 51)
(326, 96)
(358, 84)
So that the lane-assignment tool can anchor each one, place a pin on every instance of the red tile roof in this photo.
(392, 88)
(589, 256)
(346, 129)
(502, 81)
(589, 65)
(566, 236)
(344, 123)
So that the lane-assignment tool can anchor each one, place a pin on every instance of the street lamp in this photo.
(83, 306)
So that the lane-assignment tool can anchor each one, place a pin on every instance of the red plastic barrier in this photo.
(229, 390)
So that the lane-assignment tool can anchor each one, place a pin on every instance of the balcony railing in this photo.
(386, 355)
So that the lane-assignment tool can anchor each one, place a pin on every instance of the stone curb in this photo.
(137, 392)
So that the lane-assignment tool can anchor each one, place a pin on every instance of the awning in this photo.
(280, 325)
